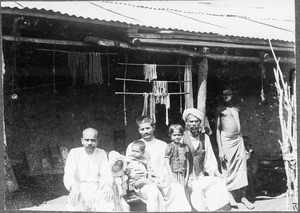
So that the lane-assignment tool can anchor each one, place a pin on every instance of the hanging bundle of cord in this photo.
(76, 61)
(145, 107)
(108, 71)
(94, 74)
(180, 89)
(160, 92)
(149, 97)
(152, 106)
(124, 88)
(150, 72)
(263, 76)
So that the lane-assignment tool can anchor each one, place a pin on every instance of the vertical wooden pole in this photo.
(202, 93)
(10, 179)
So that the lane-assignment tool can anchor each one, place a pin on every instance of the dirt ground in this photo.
(272, 204)
(47, 192)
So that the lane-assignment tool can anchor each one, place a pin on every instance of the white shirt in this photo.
(82, 167)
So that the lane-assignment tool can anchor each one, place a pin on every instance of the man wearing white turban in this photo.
(206, 183)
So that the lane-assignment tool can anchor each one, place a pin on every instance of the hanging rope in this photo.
(124, 87)
(108, 72)
(76, 61)
(263, 76)
(13, 68)
(53, 70)
(145, 107)
(180, 89)
(152, 108)
(93, 72)
(160, 92)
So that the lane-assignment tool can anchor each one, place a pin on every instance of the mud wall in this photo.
(38, 116)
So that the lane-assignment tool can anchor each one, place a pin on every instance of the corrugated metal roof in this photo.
(254, 19)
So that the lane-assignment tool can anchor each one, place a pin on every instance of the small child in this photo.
(138, 162)
(177, 154)
(118, 165)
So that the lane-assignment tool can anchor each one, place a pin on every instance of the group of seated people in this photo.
(180, 176)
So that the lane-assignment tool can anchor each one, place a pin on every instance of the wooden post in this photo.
(202, 91)
(202, 85)
(202, 82)
(10, 179)
(287, 115)
(173, 50)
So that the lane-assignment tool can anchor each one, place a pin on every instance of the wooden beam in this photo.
(211, 37)
(106, 42)
(167, 50)
(111, 43)
(63, 51)
(158, 65)
(45, 41)
(180, 51)
(210, 44)
(142, 93)
(146, 81)
(248, 59)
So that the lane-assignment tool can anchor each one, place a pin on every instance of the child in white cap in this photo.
(118, 166)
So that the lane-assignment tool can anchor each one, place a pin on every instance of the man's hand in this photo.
(219, 175)
(173, 180)
(74, 193)
(222, 155)
(136, 174)
(107, 192)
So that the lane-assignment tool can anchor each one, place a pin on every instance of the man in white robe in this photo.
(88, 177)
(172, 196)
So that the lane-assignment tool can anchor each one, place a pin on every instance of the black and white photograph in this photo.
(149, 106)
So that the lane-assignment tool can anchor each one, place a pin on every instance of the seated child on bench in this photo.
(118, 165)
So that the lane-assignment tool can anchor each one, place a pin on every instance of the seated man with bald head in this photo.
(87, 176)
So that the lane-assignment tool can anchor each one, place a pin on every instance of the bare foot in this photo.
(232, 201)
(247, 203)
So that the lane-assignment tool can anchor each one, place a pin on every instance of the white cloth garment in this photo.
(175, 199)
(91, 172)
(188, 86)
(150, 72)
(145, 107)
(152, 108)
(214, 189)
(160, 92)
